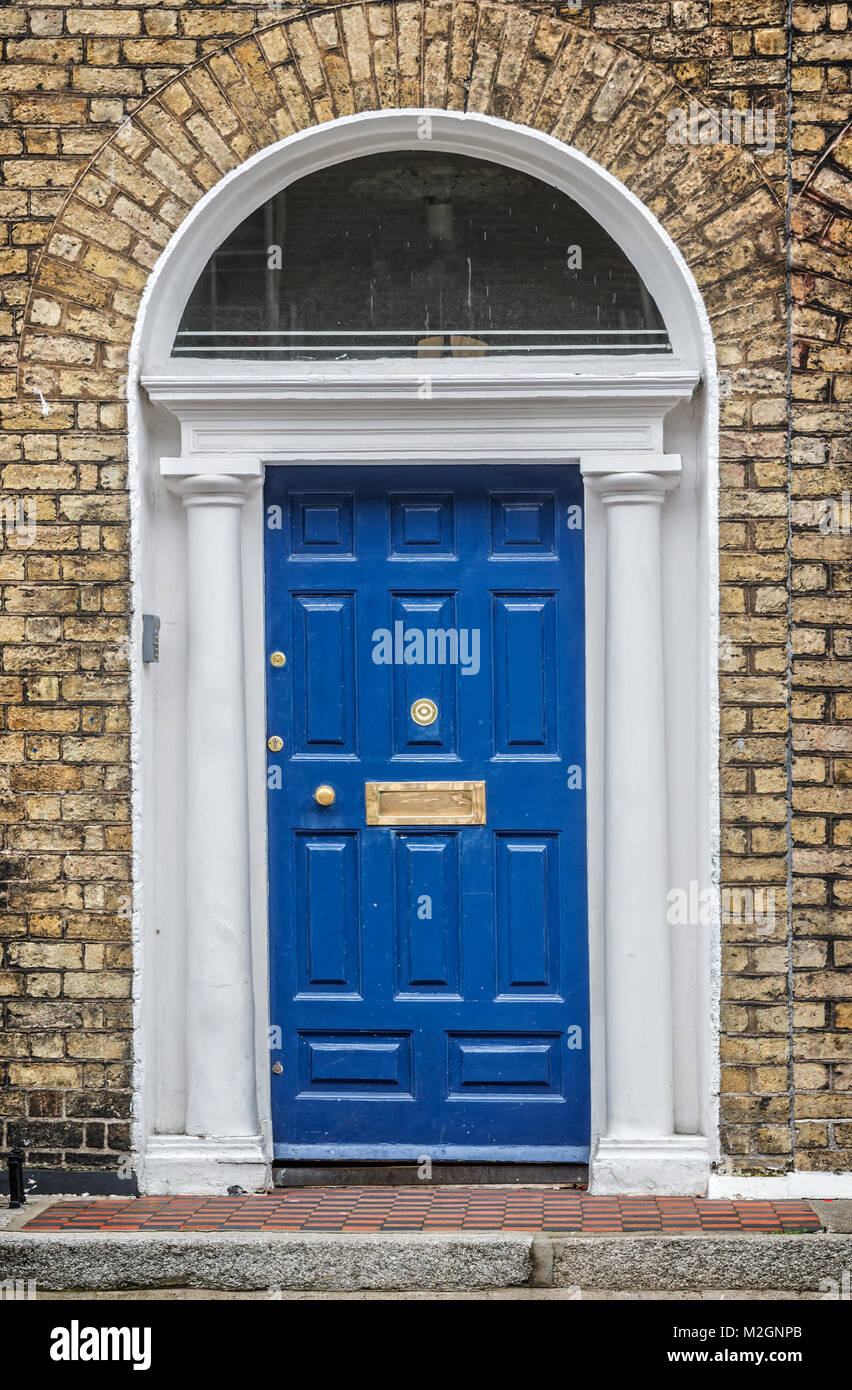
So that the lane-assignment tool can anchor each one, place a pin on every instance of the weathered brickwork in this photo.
(821, 583)
(118, 119)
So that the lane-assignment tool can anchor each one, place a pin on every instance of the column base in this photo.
(191, 1165)
(676, 1165)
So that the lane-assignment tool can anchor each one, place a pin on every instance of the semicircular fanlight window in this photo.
(418, 254)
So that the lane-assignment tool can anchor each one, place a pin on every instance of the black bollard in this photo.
(17, 1196)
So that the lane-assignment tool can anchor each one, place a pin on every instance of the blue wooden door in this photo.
(429, 980)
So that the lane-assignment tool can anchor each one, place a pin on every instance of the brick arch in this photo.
(820, 254)
(496, 59)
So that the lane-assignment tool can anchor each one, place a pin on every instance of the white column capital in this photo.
(217, 470)
(637, 488)
(631, 477)
(213, 489)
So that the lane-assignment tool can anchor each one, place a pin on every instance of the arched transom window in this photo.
(418, 254)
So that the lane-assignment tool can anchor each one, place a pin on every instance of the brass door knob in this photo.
(325, 795)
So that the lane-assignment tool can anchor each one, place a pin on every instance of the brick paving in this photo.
(376, 1209)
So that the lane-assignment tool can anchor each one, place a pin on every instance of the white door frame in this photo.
(637, 427)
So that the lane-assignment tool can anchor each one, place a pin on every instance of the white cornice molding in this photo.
(187, 385)
(395, 412)
(607, 472)
(227, 468)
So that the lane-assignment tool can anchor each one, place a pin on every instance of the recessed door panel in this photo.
(422, 526)
(322, 524)
(523, 523)
(353, 1064)
(427, 900)
(324, 672)
(522, 1065)
(527, 892)
(525, 674)
(424, 634)
(328, 912)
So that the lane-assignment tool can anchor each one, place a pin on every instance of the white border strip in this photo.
(814, 1185)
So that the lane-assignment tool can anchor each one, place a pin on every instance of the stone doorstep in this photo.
(402, 1261)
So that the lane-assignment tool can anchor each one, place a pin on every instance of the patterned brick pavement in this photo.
(436, 1209)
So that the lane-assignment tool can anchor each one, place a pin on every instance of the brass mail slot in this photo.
(425, 803)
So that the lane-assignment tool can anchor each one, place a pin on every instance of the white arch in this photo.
(631, 225)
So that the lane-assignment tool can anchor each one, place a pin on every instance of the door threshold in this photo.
(308, 1173)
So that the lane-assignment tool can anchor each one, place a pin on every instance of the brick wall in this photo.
(821, 609)
(119, 117)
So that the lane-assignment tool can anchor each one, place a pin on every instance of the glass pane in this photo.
(418, 254)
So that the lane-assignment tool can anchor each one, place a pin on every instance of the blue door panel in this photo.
(527, 898)
(427, 884)
(422, 526)
(323, 654)
(322, 523)
(509, 1066)
(341, 1064)
(525, 686)
(327, 915)
(429, 983)
(420, 614)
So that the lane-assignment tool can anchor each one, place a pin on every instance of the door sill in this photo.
(437, 1153)
(295, 1173)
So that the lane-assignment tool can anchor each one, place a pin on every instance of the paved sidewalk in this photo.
(482, 1240)
(432, 1209)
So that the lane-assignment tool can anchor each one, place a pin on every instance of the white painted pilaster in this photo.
(221, 1145)
(638, 1151)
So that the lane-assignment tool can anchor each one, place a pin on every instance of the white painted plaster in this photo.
(674, 1165)
(816, 1186)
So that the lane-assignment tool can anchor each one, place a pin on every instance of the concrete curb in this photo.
(422, 1261)
(455, 1260)
(735, 1261)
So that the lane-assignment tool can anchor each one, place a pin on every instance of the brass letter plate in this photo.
(425, 803)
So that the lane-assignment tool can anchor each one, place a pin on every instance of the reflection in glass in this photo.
(418, 254)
